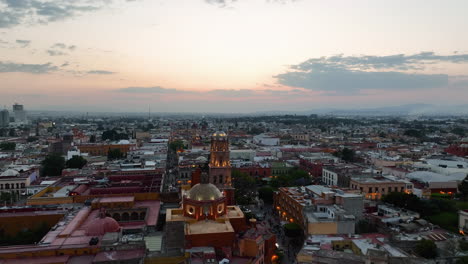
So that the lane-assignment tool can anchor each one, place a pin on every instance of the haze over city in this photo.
(232, 56)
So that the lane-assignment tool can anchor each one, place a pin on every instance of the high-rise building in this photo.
(19, 113)
(4, 118)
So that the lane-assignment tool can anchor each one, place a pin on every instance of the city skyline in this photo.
(231, 56)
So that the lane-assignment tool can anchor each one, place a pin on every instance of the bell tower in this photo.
(220, 165)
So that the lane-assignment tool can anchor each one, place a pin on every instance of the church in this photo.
(212, 225)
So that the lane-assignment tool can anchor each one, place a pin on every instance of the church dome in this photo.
(103, 225)
(219, 134)
(204, 192)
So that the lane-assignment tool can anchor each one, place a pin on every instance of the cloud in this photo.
(100, 72)
(147, 90)
(232, 92)
(221, 3)
(226, 93)
(56, 53)
(16, 12)
(59, 46)
(63, 46)
(27, 68)
(23, 43)
(349, 75)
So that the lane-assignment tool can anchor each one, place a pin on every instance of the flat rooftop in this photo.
(206, 227)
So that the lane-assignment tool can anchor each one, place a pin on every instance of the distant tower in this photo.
(4, 118)
(220, 165)
(19, 113)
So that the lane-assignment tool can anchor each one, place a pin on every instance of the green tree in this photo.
(266, 194)
(426, 249)
(244, 187)
(76, 162)
(414, 133)
(345, 154)
(364, 226)
(459, 131)
(463, 188)
(5, 197)
(462, 260)
(292, 230)
(348, 154)
(113, 135)
(114, 154)
(7, 146)
(32, 139)
(53, 165)
(176, 145)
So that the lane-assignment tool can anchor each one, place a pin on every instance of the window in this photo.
(7, 186)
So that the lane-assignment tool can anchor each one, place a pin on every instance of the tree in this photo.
(92, 139)
(294, 178)
(463, 188)
(113, 135)
(76, 162)
(345, 154)
(7, 146)
(32, 139)
(266, 194)
(53, 165)
(459, 131)
(244, 187)
(114, 154)
(176, 145)
(364, 226)
(426, 248)
(5, 197)
(414, 133)
(292, 230)
(462, 260)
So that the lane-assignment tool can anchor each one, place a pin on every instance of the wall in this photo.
(322, 228)
(13, 224)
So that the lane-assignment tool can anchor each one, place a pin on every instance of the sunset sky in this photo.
(231, 56)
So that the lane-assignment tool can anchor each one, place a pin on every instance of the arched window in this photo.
(134, 216)
(7, 186)
(221, 178)
(125, 216)
(116, 216)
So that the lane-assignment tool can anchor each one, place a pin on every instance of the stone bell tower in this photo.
(220, 165)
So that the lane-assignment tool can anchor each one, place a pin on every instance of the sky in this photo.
(231, 55)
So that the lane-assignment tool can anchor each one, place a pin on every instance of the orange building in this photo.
(103, 149)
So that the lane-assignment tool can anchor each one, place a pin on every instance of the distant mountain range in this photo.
(401, 110)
